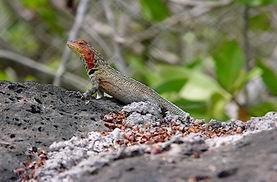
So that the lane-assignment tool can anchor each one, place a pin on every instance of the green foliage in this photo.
(269, 77)
(141, 71)
(257, 2)
(21, 33)
(216, 106)
(173, 85)
(203, 87)
(154, 10)
(259, 22)
(197, 109)
(46, 12)
(205, 97)
(29, 78)
(229, 64)
(4, 76)
(262, 108)
(195, 64)
(197, 93)
(200, 87)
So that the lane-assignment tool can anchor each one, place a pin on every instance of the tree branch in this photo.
(120, 64)
(72, 79)
(89, 29)
(246, 46)
(82, 8)
(173, 20)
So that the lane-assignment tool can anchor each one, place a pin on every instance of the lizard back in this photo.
(128, 90)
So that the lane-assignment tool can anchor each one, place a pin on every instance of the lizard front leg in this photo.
(100, 94)
(93, 89)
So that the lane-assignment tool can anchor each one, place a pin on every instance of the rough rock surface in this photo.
(33, 114)
(90, 155)
(254, 159)
(42, 115)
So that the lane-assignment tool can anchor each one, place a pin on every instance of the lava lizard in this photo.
(106, 79)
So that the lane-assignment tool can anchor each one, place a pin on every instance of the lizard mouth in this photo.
(70, 44)
(74, 46)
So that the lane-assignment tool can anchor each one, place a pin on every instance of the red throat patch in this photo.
(89, 58)
(83, 49)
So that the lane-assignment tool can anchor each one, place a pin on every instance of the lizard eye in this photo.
(82, 42)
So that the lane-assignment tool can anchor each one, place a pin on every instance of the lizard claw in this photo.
(86, 96)
(75, 94)
(83, 96)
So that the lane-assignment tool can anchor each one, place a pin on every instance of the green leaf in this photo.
(255, 72)
(196, 64)
(140, 71)
(244, 78)
(269, 77)
(21, 32)
(229, 64)
(260, 22)
(46, 12)
(154, 10)
(195, 108)
(172, 71)
(198, 87)
(262, 108)
(173, 85)
(4, 76)
(216, 106)
(257, 2)
(29, 78)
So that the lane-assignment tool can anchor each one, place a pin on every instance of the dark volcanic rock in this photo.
(254, 159)
(33, 114)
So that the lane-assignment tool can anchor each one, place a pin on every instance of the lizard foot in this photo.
(83, 96)
(86, 96)
(75, 94)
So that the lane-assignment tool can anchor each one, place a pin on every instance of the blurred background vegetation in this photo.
(213, 58)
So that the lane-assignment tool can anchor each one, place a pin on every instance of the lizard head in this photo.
(91, 57)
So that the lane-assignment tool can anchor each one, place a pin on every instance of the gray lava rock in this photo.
(269, 121)
(142, 113)
(254, 161)
(37, 115)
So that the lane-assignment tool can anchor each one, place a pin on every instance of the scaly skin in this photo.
(106, 79)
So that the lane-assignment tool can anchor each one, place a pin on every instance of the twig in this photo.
(164, 55)
(246, 43)
(101, 28)
(132, 11)
(4, 44)
(246, 46)
(173, 20)
(72, 79)
(272, 59)
(89, 29)
(82, 8)
(117, 47)
(23, 13)
(200, 3)
(15, 7)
